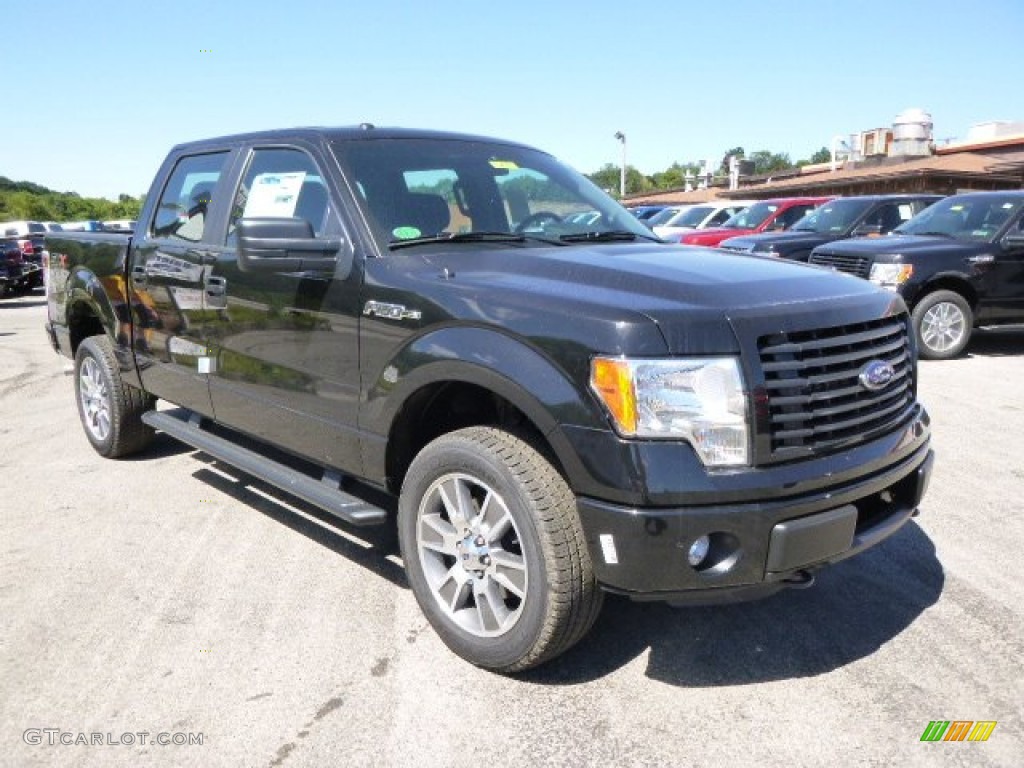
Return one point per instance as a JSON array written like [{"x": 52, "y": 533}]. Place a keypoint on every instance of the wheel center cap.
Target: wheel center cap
[{"x": 474, "y": 555}]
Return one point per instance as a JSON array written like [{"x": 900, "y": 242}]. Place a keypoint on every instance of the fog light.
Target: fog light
[{"x": 698, "y": 551}]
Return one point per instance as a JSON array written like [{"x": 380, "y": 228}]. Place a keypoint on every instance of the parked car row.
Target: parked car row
[
  {"x": 957, "y": 262},
  {"x": 23, "y": 249},
  {"x": 834, "y": 220},
  {"x": 21, "y": 264}
]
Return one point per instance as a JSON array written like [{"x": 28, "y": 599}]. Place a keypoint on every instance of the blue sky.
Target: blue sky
[{"x": 95, "y": 93}]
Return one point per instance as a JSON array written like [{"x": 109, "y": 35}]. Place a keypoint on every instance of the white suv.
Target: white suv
[{"x": 699, "y": 216}]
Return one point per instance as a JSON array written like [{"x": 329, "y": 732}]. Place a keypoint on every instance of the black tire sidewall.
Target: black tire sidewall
[
  {"x": 456, "y": 454},
  {"x": 91, "y": 348},
  {"x": 921, "y": 309}
]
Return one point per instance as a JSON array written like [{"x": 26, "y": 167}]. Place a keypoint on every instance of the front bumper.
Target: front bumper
[{"x": 756, "y": 547}]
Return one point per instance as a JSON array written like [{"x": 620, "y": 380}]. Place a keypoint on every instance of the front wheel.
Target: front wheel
[
  {"x": 110, "y": 410},
  {"x": 494, "y": 550},
  {"x": 943, "y": 322}
]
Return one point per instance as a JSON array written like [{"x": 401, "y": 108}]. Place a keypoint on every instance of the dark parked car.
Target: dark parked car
[
  {"x": 29, "y": 238},
  {"x": 12, "y": 268},
  {"x": 957, "y": 265},
  {"x": 644, "y": 212},
  {"x": 868, "y": 215}
]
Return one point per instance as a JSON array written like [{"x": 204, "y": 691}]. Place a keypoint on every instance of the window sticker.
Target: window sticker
[
  {"x": 274, "y": 194},
  {"x": 405, "y": 233},
  {"x": 508, "y": 165}
]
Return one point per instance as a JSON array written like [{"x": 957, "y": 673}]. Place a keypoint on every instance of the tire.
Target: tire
[
  {"x": 509, "y": 587},
  {"x": 110, "y": 410},
  {"x": 943, "y": 322}
]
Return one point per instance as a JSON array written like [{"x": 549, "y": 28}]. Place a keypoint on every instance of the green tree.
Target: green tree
[
  {"x": 822, "y": 155},
  {"x": 770, "y": 162},
  {"x": 607, "y": 178}
]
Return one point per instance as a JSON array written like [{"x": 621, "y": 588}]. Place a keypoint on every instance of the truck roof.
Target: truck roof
[{"x": 361, "y": 132}]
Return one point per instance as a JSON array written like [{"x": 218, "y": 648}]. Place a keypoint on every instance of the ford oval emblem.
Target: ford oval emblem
[{"x": 876, "y": 375}]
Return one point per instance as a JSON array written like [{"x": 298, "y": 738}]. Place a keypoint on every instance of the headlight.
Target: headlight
[
  {"x": 890, "y": 276},
  {"x": 699, "y": 400}
]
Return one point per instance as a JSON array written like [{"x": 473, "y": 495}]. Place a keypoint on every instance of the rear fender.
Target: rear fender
[{"x": 90, "y": 299}]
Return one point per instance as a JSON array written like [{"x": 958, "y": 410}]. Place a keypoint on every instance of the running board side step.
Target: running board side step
[{"x": 324, "y": 494}]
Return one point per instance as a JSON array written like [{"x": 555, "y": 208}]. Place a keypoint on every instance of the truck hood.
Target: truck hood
[
  {"x": 782, "y": 242},
  {"x": 900, "y": 246},
  {"x": 635, "y": 299}
]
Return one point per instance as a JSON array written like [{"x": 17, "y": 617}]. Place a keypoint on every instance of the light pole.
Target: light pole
[{"x": 622, "y": 172}]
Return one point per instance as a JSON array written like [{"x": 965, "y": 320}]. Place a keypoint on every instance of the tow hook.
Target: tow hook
[{"x": 800, "y": 580}]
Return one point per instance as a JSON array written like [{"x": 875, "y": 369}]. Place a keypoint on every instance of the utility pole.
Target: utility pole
[{"x": 622, "y": 172}]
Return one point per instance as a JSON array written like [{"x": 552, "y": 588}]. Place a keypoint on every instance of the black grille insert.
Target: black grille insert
[
  {"x": 816, "y": 400},
  {"x": 854, "y": 265}
]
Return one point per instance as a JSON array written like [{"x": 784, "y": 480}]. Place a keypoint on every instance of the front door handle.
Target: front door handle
[{"x": 139, "y": 276}]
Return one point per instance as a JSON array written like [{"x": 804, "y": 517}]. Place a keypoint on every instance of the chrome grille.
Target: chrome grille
[
  {"x": 815, "y": 399},
  {"x": 854, "y": 265}
]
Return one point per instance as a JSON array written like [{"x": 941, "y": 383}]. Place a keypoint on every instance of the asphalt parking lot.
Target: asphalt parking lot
[{"x": 170, "y": 595}]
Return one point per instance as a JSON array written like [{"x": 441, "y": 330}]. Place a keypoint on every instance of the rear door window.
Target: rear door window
[{"x": 183, "y": 210}]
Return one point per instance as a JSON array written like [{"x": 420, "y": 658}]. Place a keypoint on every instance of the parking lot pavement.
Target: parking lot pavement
[{"x": 169, "y": 594}]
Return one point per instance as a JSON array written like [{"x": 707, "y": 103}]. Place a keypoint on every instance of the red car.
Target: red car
[{"x": 764, "y": 216}]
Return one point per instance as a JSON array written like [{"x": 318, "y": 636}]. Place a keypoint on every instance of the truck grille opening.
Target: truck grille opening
[
  {"x": 853, "y": 265},
  {"x": 816, "y": 401}
]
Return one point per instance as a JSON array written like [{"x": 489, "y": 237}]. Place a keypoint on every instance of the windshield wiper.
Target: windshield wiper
[
  {"x": 614, "y": 235},
  {"x": 934, "y": 234},
  {"x": 460, "y": 237}
]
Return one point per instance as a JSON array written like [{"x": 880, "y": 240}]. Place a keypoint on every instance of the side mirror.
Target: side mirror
[{"x": 284, "y": 245}]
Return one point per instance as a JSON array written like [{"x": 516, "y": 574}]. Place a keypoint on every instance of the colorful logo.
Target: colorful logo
[
  {"x": 958, "y": 730},
  {"x": 876, "y": 375}
]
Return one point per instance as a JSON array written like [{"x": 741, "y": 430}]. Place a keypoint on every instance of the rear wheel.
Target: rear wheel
[
  {"x": 943, "y": 322},
  {"x": 110, "y": 410},
  {"x": 494, "y": 550}
]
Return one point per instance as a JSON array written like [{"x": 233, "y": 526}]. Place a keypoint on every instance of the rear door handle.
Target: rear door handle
[{"x": 216, "y": 286}]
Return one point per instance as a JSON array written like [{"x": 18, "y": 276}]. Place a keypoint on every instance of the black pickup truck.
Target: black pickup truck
[
  {"x": 839, "y": 219},
  {"x": 413, "y": 328},
  {"x": 957, "y": 265}
]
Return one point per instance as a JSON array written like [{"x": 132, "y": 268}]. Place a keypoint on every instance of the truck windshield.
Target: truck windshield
[
  {"x": 752, "y": 217},
  {"x": 964, "y": 217},
  {"x": 661, "y": 217},
  {"x": 424, "y": 190},
  {"x": 835, "y": 217},
  {"x": 692, "y": 217}
]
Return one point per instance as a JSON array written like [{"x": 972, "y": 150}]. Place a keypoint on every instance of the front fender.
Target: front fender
[
  {"x": 521, "y": 374},
  {"x": 947, "y": 280}
]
